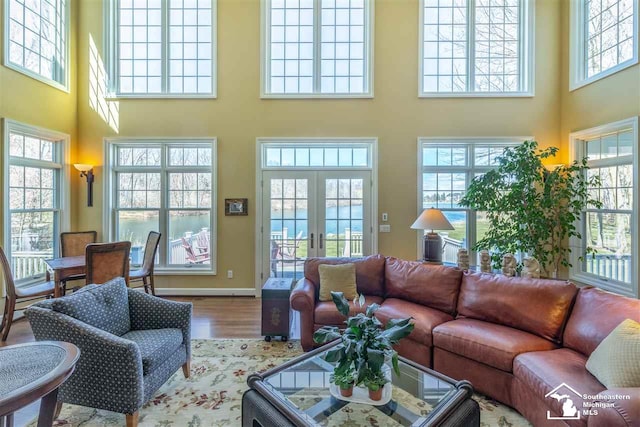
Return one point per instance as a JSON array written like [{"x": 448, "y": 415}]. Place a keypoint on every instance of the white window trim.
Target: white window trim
[
  {"x": 110, "y": 34},
  {"x": 108, "y": 220},
  {"x": 7, "y": 63},
  {"x": 263, "y": 142},
  {"x": 466, "y": 141},
  {"x": 576, "y": 153},
  {"x": 577, "y": 70},
  {"x": 65, "y": 176},
  {"x": 265, "y": 58},
  {"x": 527, "y": 46}
]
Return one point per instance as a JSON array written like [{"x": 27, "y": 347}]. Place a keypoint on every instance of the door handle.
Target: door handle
[
  {"x": 320, "y": 240},
  {"x": 311, "y": 236}
]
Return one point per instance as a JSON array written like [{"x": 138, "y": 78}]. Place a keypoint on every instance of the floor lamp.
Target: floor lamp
[{"x": 432, "y": 219}]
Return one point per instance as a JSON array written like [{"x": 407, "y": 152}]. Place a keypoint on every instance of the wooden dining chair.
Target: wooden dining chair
[
  {"x": 73, "y": 243},
  {"x": 18, "y": 294},
  {"x": 106, "y": 261},
  {"x": 145, "y": 274}
]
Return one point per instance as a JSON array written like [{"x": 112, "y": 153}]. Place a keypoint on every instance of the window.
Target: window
[
  {"x": 36, "y": 34},
  {"x": 163, "y": 48},
  {"x": 476, "y": 48},
  {"x": 604, "y": 38},
  {"x": 610, "y": 230},
  {"x": 35, "y": 195},
  {"x": 447, "y": 167},
  {"x": 317, "y": 48},
  {"x": 165, "y": 186}
]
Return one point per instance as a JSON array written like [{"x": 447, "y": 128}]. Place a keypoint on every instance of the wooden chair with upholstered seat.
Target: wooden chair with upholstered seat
[
  {"x": 145, "y": 274},
  {"x": 73, "y": 243},
  {"x": 18, "y": 294},
  {"x": 106, "y": 261}
]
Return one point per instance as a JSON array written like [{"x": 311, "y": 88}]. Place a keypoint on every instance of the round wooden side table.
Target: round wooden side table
[{"x": 33, "y": 371}]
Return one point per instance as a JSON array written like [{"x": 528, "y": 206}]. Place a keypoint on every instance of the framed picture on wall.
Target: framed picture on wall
[{"x": 234, "y": 207}]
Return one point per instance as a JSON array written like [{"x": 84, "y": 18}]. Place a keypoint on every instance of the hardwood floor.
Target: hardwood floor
[{"x": 213, "y": 317}]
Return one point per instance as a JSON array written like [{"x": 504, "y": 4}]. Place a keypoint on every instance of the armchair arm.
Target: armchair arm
[
  {"x": 108, "y": 374},
  {"x": 303, "y": 299},
  {"x": 624, "y": 412},
  {"x": 149, "y": 312}
]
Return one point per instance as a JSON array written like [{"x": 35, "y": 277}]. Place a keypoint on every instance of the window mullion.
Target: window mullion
[
  {"x": 163, "y": 213},
  {"x": 317, "y": 45},
  {"x": 471, "y": 45},
  {"x": 165, "y": 46}
]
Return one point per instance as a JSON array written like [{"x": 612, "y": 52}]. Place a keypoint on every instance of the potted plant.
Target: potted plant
[
  {"x": 345, "y": 380},
  {"x": 375, "y": 381},
  {"x": 364, "y": 345},
  {"x": 530, "y": 208}
]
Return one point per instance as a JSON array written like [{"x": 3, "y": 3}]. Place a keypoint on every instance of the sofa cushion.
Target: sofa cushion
[
  {"x": 488, "y": 343},
  {"x": 587, "y": 326},
  {"x": 539, "y": 306},
  {"x": 424, "y": 318},
  {"x": 544, "y": 371},
  {"x": 156, "y": 345},
  {"x": 369, "y": 272},
  {"x": 337, "y": 278},
  {"x": 326, "y": 312},
  {"x": 434, "y": 286},
  {"x": 103, "y": 306},
  {"x": 616, "y": 361}
]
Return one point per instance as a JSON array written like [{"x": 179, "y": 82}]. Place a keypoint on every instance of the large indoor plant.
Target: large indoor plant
[
  {"x": 365, "y": 345},
  {"x": 530, "y": 208}
]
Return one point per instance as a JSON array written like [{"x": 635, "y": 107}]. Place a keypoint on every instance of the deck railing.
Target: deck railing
[
  {"x": 609, "y": 266},
  {"x": 352, "y": 243},
  {"x": 26, "y": 264}
]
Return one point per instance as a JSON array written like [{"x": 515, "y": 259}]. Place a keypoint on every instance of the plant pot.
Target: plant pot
[
  {"x": 346, "y": 392},
  {"x": 375, "y": 394}
]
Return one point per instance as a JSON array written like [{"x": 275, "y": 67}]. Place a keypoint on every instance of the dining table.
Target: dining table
[{"x": 64, "y": 268}]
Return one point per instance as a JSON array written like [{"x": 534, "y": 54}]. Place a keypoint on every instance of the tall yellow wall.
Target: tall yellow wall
[{"x": 396, "y": 116}]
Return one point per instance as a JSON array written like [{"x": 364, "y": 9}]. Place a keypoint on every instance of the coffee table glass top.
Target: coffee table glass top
[{"x": 304, "y": 388}]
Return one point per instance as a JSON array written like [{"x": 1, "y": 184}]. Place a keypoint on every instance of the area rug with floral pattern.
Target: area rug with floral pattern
[{"x": 212, "y": 397}]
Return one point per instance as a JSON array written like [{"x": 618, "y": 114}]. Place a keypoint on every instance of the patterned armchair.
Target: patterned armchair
[{"x": 130, "y": 344}]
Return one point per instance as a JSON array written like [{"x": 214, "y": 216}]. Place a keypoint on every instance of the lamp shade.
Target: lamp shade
[
  {"x": 432, "y": 219},
  {"x": 83, "y": 167}
]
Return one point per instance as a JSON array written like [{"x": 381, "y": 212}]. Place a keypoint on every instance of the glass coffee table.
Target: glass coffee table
[{"x": 297, "y": 394}]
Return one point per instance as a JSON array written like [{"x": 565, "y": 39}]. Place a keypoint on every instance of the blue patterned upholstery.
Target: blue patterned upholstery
[
  {"x": 156, "y": 345},
  {"x": 106, "y": 306},
  {"x": 110, "y": 373}
]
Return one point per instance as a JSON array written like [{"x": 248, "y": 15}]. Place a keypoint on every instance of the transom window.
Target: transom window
[
  {"x": 35, "y": 187},
  {"x": 476, "y": 47},
  {"x": 167, "y": 187},
  {"x": 163, "y": 47},
  {"x": 314, "y": 155},
  {"x": 604, "y": 38},
  {"x": 447, "y": 168},
  {"x": 37, "y": 34},
  {"x": 317, "y": 47},
  {"x": 609, "y": 230}
]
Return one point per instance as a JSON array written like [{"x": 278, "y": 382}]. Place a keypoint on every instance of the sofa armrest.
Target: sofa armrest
[
  {"x": 303, "y": 299},
  {"x": 150, "y": 312},
  {"x": 107, "y": 362},
  {"x": 623, "y": 412}
]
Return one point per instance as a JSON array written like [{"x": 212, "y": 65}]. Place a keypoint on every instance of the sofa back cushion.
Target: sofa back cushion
[
  {"x": 434, "y": 286},
  {"x": 369, "y": 272},
  {"x": 103, "y": 306},
  {"x": 595, "y": 314},
  {"x": 539, "y": 306}
]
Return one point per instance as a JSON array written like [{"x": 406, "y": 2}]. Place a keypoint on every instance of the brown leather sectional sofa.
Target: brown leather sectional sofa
[{"x": 514, "y": 339}]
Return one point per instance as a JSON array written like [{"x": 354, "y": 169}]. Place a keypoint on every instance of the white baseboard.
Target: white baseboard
[{"x": 207, "y": 292}]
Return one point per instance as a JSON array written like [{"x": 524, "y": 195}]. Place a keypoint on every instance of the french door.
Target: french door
[{"x": 313, "y": 214}]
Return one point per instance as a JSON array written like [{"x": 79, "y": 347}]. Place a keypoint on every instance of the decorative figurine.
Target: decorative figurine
[
  {"x": 485, "y": 262},
  {"x": 509, "y": 265},
  {"x": 463, "y": 259},
  {"x": 531, "y": 268}
]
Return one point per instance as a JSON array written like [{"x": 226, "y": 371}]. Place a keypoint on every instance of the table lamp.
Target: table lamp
[{"x": 432, "y": 219}]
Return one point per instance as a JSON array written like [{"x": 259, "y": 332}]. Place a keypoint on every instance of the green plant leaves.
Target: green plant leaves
[
  {"x": 326, "y": 334},
  {"x": 341, "y": 302}
]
